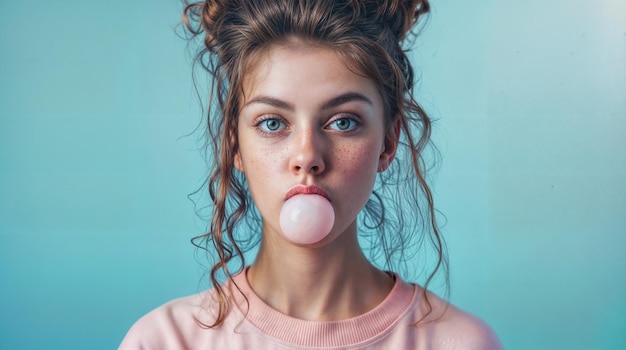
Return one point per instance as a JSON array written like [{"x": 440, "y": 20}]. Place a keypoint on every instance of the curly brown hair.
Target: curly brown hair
[{"x": 369, "y": 34}]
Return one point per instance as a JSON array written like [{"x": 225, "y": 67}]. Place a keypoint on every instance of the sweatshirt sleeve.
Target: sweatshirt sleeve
[{"x": 171, "y": 326}]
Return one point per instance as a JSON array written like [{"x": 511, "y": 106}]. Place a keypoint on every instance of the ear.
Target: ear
[
  {"x": 390, "y": 145},
  {"x": 238, "y": 162}
]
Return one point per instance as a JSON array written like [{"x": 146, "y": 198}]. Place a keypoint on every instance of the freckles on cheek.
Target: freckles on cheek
[
  {"x": 262, "y": 165},
  {"x": 358, "y": 162}
]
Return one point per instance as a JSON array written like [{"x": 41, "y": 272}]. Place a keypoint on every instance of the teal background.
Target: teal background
[{"x": 96, "y": 98}]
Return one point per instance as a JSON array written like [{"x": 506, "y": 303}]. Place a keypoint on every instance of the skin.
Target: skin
[{"x": 307, "y": 119}]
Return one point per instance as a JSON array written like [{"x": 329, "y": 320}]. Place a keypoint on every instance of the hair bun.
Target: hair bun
[
  {"x": 399, "y": 15},
  {"x": 205, "y": 16}
]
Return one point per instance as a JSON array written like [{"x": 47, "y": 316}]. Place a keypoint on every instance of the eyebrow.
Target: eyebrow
[{"x": 333, "y": 102}]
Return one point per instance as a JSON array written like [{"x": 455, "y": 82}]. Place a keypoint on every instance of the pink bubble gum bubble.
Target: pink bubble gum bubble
[{"x": 306, "y": 218}]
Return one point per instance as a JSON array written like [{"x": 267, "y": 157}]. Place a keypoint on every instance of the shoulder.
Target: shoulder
[
  {"x": 462, "y": 330},
  {"x": 170, "y": 325},
  {"x": 449, "y": 327}
]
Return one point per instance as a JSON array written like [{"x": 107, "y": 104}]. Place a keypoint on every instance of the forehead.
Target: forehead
[{"x": 299, "y": 72}]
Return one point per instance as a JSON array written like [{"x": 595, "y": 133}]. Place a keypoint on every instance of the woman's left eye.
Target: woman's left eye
[{"x": 343, "y": 124}]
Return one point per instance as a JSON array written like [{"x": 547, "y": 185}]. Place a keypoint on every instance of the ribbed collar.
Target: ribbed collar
[{"x": 342, "y": 333}]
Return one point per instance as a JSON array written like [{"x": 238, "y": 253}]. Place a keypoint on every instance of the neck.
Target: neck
[{"x": 328, "y": 283}]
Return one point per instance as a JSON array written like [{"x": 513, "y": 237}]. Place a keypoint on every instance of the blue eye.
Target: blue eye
[
  {"x": 343, "y": 124},
  {"x": 271, "y": 125}
]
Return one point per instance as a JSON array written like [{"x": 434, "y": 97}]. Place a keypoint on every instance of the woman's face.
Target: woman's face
[{"x": 307, "y": 119}]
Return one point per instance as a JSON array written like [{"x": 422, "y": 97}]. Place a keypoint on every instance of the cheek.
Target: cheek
[
  {"x": 261, "y": 171},
  {"x": 257, "y": 158},
  {"x": 358, "y": 165}
]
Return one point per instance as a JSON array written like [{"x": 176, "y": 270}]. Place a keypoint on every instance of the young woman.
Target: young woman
[{"x": 316, "y": 130}]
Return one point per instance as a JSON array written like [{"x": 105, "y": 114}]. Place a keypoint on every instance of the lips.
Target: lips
[{"x": 301, "y": 189}]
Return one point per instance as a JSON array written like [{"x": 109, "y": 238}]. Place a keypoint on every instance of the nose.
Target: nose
[{"x": 307, "y": 156}]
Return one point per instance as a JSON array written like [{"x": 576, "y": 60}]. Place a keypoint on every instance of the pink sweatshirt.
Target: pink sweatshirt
[{"x": 173, "y": 326}]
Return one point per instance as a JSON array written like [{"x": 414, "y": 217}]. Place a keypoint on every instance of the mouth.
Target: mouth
[{"x": 301, "y": 189}]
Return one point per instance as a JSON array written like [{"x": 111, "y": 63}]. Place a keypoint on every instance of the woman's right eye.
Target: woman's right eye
[{"x": 270, "y": 125}]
